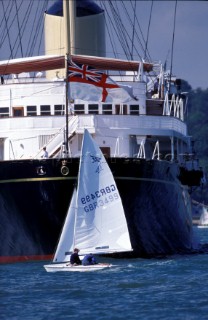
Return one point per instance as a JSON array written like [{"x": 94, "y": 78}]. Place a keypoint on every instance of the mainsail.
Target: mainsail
[{"x": 100, "y": 220}]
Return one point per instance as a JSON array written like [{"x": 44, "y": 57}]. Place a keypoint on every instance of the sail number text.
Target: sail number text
[{"x": 99, "y": 198}]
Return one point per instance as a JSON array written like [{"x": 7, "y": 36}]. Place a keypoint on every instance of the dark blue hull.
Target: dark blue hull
[{"x": 35, "y": 194}]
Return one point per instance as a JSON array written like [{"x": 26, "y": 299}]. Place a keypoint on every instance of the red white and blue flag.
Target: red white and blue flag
[{"x": 87, "y": 83}]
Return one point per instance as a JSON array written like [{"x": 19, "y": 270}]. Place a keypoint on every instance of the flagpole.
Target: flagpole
[
  {"x": 69, "y": 14},
  {"x": 67, "y": 106}
]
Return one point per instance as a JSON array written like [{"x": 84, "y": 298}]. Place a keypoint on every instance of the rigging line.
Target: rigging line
[
  {"x": 171, "y": 66},
  {"x": 148, "y": 31},
  {"x": 112, "y": 41},
  {"x": 140, "y": 29},
  {"x": 138, "y": 38},
  {"x": 24, "y": 22},
  {"x": 125, "y": 34},
  {"x": 31, "y": 43},
  {"x": 26, "y": 19},
  {"x": 134, "y": 28},
  {"x": 42, "y": 29},
  {"x": 122, "y": 31},
  {"x": 115, "y": 29},
  {"x": 148, "y": 58},
  {"x": 2, "y": 21},
  {"x": 3, "y": 32},
  {"x": 129, "y": 19},
  {"x": 166, "y": 60},
  {"x": 11, "y": 24},
  {"x": 110, "y": 35},
  {"x": 40, "y": 26},
  {"x": 15, "y": 1},
  {"x": 114, "y": 21},
  {"x": 7, "y": 30},
  {"x": 132, "y": 47}
]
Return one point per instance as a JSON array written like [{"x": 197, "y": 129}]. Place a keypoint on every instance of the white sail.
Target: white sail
[
  {"x": 66, "y": 241},
  {"x": 100, "y": 220}
]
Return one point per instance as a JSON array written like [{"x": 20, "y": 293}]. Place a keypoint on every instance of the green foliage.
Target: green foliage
[{"x": 197, "y": 120}]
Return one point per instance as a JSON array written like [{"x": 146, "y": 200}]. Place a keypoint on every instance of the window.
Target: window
[
  {"x": 4, "y": 112},
  {"x": 79, "y": 108},
  {"x": 107, "y": 108},
  {"x": 134, "y": 109},
  {"x": 117, "y": 109},
  {"x": 18, "y": 111},
  {"x": 105, "y": 151},
  {"x": 45, "y": 110},
  {"x": 31, "y": 111},
  {"x": 59, "y": 109},
  {"x": 93, "y": 108}
]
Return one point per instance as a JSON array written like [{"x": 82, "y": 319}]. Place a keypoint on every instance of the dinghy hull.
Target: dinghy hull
[{"x": 76, "y": 268}]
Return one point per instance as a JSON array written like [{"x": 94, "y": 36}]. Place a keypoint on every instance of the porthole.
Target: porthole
[{"x": 64, "y": 170}]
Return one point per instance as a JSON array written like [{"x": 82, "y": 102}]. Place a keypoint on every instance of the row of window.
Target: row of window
[
  {"x": 46, "y": 110},
  {"x": 106, "y": 109}
]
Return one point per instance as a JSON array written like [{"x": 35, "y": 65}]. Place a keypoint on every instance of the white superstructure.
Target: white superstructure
[{"x": 32, "y": 114}]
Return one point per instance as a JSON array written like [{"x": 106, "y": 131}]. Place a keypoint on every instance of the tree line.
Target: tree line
[{"x": 196, "y": 115}]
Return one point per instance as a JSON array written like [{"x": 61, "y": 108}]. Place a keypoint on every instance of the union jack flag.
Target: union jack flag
[{"x": 88, "y": 75}]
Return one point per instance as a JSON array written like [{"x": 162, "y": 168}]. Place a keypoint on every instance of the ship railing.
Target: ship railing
[
  {"x": 156, "y": 153},
  {"x": 55, "y": 144},
  {"x": 141, "y": 154},
  {"x": 173, "y": 107}
]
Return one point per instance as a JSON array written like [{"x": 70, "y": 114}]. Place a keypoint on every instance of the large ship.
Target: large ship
[{"x": 140, "y": 129}]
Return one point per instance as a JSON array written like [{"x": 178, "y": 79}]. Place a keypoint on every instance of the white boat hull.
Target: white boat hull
[{"x": 73, "y": 268}]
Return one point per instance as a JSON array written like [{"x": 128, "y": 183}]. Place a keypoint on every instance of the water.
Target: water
[{"x": 170, "y": 288}]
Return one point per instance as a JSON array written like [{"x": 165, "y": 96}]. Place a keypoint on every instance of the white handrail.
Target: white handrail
[{"x": 56, "y": 142}]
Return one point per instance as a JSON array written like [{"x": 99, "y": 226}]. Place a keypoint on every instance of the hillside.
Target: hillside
[{"x": 197, "y": 119}]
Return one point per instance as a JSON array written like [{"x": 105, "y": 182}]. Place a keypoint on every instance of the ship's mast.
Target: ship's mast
[
  {"x": 69, "y": 13},
  {"x": 171, "y": 66}
]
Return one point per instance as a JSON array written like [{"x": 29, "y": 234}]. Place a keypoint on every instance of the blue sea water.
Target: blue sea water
[{"x": 169, "y": 288}]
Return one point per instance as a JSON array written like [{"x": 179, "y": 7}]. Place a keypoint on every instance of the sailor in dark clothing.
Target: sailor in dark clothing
[
  {"x": 74, "y": 259},
  {"x": 89, "y": 259}
]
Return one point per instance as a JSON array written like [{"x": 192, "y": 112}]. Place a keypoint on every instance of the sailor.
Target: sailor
[
  {"x": 74, "y": 259},
  {"x": 45, "y": 153},
  {"x": 89, "y": 259}
]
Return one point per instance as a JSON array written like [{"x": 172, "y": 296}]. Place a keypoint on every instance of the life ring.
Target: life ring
[{"x": 64, "y": 170}]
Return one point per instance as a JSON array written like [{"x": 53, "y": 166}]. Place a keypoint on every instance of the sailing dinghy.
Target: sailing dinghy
[{"x": 95, "y": 222}]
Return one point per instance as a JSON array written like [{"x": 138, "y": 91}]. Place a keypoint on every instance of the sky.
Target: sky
[{"x": 190, "y": 51}]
